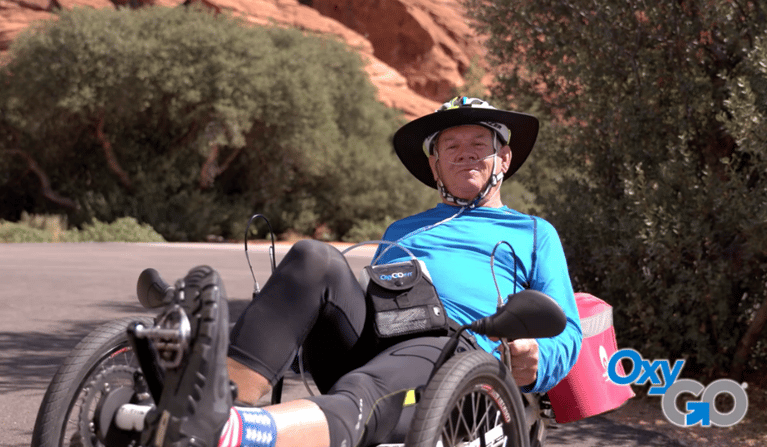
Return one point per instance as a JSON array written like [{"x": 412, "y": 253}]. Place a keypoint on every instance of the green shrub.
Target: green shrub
[
  {"x": 17, "y": 232},
  {"x": 52, "y": 228},
  {"x": 192, "y": 122},
  {"x": 367, "y": 230},
  {"x": 49, "y": 222},
  {"x": 125, "y": 229}
]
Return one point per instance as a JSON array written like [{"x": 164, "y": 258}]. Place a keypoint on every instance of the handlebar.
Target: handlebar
[{"x": 526, "y": 314}]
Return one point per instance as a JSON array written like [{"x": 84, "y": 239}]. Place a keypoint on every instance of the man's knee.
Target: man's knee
[
  {"x": 343, "y": 413},
  {"x": 357, "y": 407},
  {"x": 309, "y": 259},
  {"x": 310, "y": 249}
]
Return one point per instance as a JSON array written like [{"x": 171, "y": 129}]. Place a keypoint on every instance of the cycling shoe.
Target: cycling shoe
[{"x": 196, "y": 396}]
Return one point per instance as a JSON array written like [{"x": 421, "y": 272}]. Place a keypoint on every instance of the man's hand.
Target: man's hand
[{"x": 524, "y": 361}]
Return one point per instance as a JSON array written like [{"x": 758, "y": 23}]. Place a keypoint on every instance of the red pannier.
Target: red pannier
[{"x": 587, "y": 391}]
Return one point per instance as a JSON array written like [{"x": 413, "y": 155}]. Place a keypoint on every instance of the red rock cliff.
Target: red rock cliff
[{"x": 416, "y": 51}]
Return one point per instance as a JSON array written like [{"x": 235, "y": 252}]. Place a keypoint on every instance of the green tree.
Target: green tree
[
  {"x": 191, "y": 122},
  {"x": 651, "y": 161}
]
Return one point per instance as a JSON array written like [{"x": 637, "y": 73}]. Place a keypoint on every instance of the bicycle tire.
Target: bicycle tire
[
  {"x": 105, "y": 347},
  {"x": 479, "y": 381}
]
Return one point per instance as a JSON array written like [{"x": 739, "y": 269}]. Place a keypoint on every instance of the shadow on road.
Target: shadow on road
[
  {"x": 28, "y": 360},
  {"x": 604, "y": 432}
]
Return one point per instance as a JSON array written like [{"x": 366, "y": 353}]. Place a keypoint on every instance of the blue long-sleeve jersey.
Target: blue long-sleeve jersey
[{"x": 456, "y": 246}]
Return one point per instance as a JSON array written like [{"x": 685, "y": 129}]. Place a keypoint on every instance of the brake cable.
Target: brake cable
[{"x": 256, "y": 288}]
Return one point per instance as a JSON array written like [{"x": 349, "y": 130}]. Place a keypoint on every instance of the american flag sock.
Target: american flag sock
[{"x": 248, "y": 427}]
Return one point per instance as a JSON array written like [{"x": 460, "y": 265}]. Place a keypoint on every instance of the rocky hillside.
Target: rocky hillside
[{"x": 417, "y": 51}]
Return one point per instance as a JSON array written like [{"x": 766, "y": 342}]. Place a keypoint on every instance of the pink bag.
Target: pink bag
[{"x": 586, "y": 391}]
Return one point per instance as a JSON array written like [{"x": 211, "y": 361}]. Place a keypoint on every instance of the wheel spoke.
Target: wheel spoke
[
  {"x": 467, "y": 426},
  {"x": 448, "y": 430},
  {"x": 484, "y": 420}
]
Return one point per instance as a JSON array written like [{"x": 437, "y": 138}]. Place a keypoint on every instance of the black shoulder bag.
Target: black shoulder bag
[{"x": 403, "y": 299}]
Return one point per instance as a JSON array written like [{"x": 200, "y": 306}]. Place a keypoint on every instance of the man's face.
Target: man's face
[{"x": 461, "y": 164}]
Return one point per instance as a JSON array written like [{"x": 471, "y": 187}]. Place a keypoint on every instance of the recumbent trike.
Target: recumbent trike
[{"x": 100, "y": 393}]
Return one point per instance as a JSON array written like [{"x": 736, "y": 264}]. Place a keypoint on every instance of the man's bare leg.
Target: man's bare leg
[
  {"x": 251, "y": 386},
  {"x": 300, "y": 423}
]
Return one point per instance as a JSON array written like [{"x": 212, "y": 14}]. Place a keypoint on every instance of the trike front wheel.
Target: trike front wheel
[
  {"x": 471, "y": 396},
  {"x": 102, "y": 361}
]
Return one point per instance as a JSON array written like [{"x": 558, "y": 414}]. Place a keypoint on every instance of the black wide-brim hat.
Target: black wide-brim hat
[{"x": 409, "y": 139}]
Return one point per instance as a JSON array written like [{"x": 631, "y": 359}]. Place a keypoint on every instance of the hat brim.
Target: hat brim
[{"x": 408, "y": 140}]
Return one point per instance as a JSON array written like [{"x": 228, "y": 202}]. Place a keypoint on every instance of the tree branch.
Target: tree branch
[
  {"x": 746, "y": 343},
  {"x": 112, "y": 162},
  {"x": 45, "y": 183},
  {"x": 211, "y": 169}
]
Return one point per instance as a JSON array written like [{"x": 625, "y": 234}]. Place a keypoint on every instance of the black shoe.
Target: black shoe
[{"x": 196, "y": 396}]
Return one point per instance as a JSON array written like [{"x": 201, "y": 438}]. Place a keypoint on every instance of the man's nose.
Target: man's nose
[{"x": 467, "y": 155}]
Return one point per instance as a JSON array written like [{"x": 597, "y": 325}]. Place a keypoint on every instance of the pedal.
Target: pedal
[{"x": 170, "y": 336}]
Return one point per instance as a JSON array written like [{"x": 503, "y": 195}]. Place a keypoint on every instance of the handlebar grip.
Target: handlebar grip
[
  {"x": 152, "y": 291},
  {"x": 526, "y": 314}
]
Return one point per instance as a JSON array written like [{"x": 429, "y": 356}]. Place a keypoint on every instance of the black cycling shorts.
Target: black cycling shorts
[{"x": 313, "y": 300}]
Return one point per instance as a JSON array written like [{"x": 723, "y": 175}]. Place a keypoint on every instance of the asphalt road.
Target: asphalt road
[{"x": 54, "y": 294}]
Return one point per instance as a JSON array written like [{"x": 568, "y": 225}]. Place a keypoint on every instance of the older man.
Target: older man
[{"x": 313, "y": 299}]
